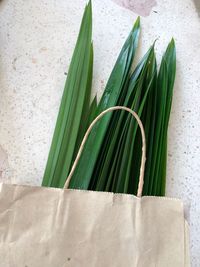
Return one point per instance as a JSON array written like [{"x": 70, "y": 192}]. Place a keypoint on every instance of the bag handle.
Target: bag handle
[{"x": 142, "y": 167}]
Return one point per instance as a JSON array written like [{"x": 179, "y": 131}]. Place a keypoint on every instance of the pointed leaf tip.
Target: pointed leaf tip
[
  {"x": 172, "y": 40},
  {"x": 137, "y": 23},
  {"x": 153, "y": 45},
  {"x": 89, "y": 4}
]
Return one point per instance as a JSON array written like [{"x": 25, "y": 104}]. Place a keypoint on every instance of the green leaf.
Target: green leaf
[
  {"x": 88, "y": 112},
  {"x": 170, "y": 59},
  {"x": 72, "y": 106},
  {"x": 166, "y": 78},
  {"x": 149, "y": 121}
]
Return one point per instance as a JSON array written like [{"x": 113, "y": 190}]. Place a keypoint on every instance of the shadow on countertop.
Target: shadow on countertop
[{"x": 197, "y": 5}]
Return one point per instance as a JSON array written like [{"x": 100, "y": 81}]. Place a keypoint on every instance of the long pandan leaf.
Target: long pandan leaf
[
  {"x": 76, "y": 94},
  {"x": 165, "y": 85},
  {"x": 170, "y": 59},
  {"x": 112, "y": 92},
  {"x": 149, "y": 124},
  {"x": 88, "y": 112},
  {"x": 161, "y": 105}
]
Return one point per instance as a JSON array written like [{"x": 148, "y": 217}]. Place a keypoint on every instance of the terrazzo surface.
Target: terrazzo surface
[{"x": 37, "y": 39}]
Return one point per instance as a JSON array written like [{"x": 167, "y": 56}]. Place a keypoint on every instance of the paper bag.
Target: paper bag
[{"x": 49, "y": 227}]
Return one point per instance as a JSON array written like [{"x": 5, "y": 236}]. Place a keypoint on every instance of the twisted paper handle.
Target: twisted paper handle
[{"x": 142, "y": 167}]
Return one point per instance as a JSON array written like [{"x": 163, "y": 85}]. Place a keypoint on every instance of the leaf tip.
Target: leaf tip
[
  {"x": 89, "y": 4},
  {"x": 138, "y": 20},
  {"x": 173, "y": 40},
  {"x": 137, "y": 23},
  {"x": 172, "y": 43},
  {"x": 171, "y": 48}
]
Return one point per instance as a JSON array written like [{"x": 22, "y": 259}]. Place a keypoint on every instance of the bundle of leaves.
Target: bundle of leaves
[{"x": 111, "y": 157}]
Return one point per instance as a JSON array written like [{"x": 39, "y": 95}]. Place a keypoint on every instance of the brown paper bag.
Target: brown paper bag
[{"x": 49, "y": 227}]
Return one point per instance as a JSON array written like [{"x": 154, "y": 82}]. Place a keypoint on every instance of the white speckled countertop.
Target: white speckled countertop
[{"x": 36, "y": 42}]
